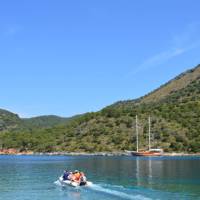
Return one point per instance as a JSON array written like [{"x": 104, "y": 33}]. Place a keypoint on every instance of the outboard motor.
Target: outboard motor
[{"x": 83, "y": 180}]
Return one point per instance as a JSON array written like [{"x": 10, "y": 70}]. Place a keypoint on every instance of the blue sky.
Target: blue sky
[{"x": 69, "y": 57}]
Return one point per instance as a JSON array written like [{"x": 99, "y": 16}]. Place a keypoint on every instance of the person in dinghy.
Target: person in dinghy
[
  {"x": 67, "y": 175},
  {"x": 75, "y": 178},
  {"x": 79, "y": 177}
]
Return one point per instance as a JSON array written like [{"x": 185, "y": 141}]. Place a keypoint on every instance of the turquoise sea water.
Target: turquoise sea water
[{"x": 34, "y": 178}]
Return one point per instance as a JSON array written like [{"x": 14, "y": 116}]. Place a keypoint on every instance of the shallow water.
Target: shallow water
[{"x": 34, "y": 177}]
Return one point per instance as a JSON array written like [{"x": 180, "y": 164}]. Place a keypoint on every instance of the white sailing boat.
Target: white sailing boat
[{"x": 150, "y": 151}]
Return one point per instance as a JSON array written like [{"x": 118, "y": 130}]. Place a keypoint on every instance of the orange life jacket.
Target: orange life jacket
[{"x": 77, "y": 176}]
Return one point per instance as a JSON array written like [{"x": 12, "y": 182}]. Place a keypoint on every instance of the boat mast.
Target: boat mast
[
  {"x": 149, "y": 133},
  {"x": 136, "y": 127}
]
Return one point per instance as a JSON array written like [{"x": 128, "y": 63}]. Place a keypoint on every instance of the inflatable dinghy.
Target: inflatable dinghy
[{"x": 73, "y": 183}]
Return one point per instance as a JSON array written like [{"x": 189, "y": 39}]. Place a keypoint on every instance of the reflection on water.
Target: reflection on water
[
  {"x": 33, "y": 177},
  {"x": 144, "y": 169}
]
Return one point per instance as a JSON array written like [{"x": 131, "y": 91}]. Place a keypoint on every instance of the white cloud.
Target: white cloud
[{"x": 183, "y": 43}]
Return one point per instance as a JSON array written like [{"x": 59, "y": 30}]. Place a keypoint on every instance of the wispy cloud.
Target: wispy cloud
[{"x": 181, "y": 44}]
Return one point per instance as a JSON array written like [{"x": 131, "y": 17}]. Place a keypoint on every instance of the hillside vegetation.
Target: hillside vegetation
[
  {"x": 176, "y": 84},
  {"x": 8, "y": 120},
  {"x": 174, "y": 109},
  {"x": 45, "y": 121}
]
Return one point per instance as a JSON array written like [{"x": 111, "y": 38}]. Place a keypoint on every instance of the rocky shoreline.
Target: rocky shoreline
[{"x": 124, "y": 153}]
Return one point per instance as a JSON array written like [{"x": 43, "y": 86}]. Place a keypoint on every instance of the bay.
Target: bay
[{"x": 113, "y": 177}]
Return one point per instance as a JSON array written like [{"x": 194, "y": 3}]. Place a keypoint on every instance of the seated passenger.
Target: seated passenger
[
  {"x": 66, "y": 175},
  {"x": 76, "y": 176}
]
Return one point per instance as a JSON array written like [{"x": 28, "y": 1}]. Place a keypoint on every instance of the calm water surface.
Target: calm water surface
[{"x": 34, "y": 178}]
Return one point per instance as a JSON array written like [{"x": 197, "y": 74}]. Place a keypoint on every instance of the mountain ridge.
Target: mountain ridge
[
  {"x": 174, "y": 108},
  {"x": 10, "y": 120},
  {"x": 171, "y": 84}
]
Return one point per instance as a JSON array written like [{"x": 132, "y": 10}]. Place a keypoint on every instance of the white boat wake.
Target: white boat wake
[
  {"x": 114, "y": 192},
  {"x": 118, "y": 193},
  {"x": 58, "y": 183}
]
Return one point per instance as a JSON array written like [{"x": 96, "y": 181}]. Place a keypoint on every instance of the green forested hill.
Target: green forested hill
[
  {"x": 174, "y": 109},
  {"x": 8, "y": 120},
  {"x": 45, "y": 121},
  {"x": 11, "y": 121}
]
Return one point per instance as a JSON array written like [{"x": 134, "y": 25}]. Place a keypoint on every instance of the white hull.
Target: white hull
[{"x": 72, "y": 183}]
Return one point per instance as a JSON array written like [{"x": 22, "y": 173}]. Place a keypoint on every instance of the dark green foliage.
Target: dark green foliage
[
  {"x": 175, "y": 122},
  {"x": 8, "y": 120},
  {"x": 44, "y": 121}
]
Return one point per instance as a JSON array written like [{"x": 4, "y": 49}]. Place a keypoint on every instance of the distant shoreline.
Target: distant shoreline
[{"x": 15, "y": 152}]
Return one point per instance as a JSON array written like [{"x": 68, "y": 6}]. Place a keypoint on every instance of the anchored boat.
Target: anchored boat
[{"x": 150, "y": 151}]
